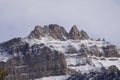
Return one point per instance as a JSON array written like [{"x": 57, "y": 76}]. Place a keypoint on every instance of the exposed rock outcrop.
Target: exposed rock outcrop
[
  {"x": 112, "y": 69},
  {"x": 11, "y": 43},
  {"x": 84, "y": 34},
  {"x": 31, "y": 62},
  {"x": 94, "y": 51},
  {"x": 75, "y": 33},
  {"x": 111, "y": 51},
  {"x": 111, "y": 74},
  {"x": 53, "y": 30},
  {"x": 84, "y": 51},
  {"x": 58, "y": 32},
  {"x": 108, "y": 51},
  {"x": 71, "y": 49},
  {"x": 36, "y": 33}
]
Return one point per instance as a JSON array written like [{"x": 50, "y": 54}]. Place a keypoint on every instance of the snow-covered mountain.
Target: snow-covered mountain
[{"x": 51, "y": 51}]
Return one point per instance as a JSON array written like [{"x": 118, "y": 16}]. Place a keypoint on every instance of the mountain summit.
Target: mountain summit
[
  {"x": 51, "y": 51},
  {"x": 58, "y": 32},
  {"x": 76, "y": 34}
]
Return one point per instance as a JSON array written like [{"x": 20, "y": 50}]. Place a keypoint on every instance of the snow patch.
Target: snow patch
[
  {"x": 63, "y": 77},
  {"x": 4, "y": 56}
]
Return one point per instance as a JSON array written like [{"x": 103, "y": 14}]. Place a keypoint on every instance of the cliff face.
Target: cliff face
[
  {"x": 51, "y": 51},
  {"x": 31, "y": 62},
  {"x": 105, "y": 51}
]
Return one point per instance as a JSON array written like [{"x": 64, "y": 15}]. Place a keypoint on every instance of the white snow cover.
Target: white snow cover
[
  {"x": 64, "y": 45},
  {"x": 110, "y": 61},
  {"x": 4, "y": 56},
  {"x": 98, "y": 63},
  {"x": 73, "y": 60},
  {"x": 63, "y": 77}
]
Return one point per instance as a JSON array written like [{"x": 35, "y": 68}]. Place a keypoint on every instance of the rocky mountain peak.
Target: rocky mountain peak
[
  {"x": 76, "y": 34},
  {"x": 57, "y": 32},
  {"x": 11, "y": 43},
  {"x": 53, "y": 30},
  {"x": 84, "y": 34},
  {"x": 36, "y": 33},
  {"x": 74, "y": 28},
  {"x": 54, "y": 26}
]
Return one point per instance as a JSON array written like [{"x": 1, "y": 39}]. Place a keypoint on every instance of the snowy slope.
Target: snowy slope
[
  {"x": 74, "y": 62},
  {"x": 4, "y": 56},
  {"x": 63, "y": 46}
]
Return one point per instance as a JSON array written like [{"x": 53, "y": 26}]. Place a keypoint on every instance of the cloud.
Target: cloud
[{"x": 100, "y": 18}]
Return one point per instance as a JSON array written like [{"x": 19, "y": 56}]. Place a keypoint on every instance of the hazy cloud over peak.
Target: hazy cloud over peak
[{"x": 100, "y": 18}]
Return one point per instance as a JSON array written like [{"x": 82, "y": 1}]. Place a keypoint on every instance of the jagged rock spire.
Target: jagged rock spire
[
  {"x": 58, "y": 32},
  {"x": 84, "y": 34},
  {"x": 75, "y": 33},
  {"x": 36, "y": 33},
  {"x": 52, "y": 30}
]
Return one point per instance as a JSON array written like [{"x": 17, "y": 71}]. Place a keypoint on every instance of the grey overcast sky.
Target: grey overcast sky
[{"x": 99, "y": 18}]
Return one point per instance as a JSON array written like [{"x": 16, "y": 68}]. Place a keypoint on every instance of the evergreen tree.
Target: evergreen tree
[{"x": 3, "y": 74}]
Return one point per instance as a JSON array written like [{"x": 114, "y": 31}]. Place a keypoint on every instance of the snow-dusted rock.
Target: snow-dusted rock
[{"x": 51, "y": 51}]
